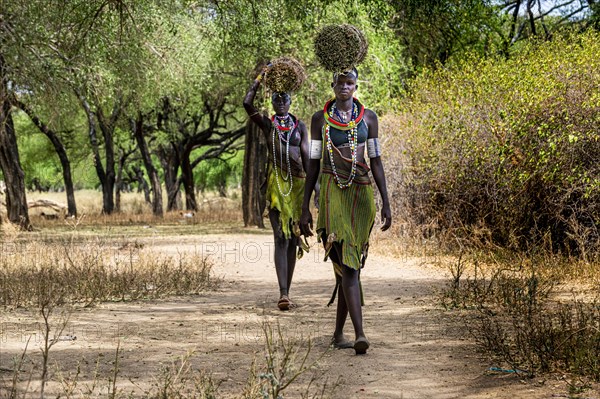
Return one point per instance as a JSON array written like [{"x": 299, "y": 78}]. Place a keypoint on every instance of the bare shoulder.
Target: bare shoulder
[
  {"x": 318, "y": 116},
  {"x": 316, "y": 124},
  {"x": 372, "y": 122},
  {"x": 370, "y": 115}
]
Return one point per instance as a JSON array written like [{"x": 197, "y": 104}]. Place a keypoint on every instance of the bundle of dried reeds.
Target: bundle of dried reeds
[
  {"x": 340, "y": 47},
  {"x": 285, "y": 75}
]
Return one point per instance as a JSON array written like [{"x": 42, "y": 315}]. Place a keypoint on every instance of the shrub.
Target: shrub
[
  {"x": 505, "y": 151},
  {"x": 520, "y": 313}
]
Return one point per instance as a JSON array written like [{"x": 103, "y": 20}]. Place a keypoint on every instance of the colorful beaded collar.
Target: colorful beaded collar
[
  {"x": 283, "y": 127},
  {"x": 341, "y": 125}
]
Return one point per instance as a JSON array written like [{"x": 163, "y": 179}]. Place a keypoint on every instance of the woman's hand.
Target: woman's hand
[
  {"x": 264, "y": 71},
  {"x": 386, "y": 217},
  {"x": 306, "y": 223}
]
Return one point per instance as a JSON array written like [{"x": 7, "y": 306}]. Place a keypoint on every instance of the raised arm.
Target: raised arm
[
  {"x": 313, "y": 168},
  {"x": 261, "y": 120},
  {"x": 374, "y": 152}
]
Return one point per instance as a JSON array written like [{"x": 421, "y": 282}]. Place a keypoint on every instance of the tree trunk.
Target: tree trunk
[
  {"x": 187, "y": 177},
  {"x": 157, "y": 205},
  {"x": 67, "y": 179},
  {"x": 62, "y": 156},
  {"x": 119, "y": 180},
  {"x": 254, "y": 176},
  {"x": 142, "y": 184},
  {"x": 107, "y": 126},
  {"x": 106, "y": 176},
  {"x": 14, "y": 177},
  {"x": 108, "y": 188},
  {"x": 222, "y": 189},
  {"x": 96, "y": 152},
  {"x": 169, "y": 160},
  {"x": 16, "y": 199}
]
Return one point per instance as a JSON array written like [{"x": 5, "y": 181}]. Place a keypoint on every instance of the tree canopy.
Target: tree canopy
[{"x": 146, "y": 91}]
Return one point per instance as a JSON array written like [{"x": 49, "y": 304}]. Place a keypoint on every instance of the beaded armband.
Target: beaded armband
[
  {"x": 316, "y": 147},
  {"x": 373, "y": 148}
]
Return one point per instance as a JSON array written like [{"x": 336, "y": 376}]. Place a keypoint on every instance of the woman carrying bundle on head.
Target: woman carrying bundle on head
[
  {"x": 339, "y": 134},
  {"x": 287, "y": 139}
]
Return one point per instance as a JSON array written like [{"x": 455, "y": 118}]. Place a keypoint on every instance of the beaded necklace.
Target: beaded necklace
[
  {"x": 351, "y": 128},
  {"x": 284, "y": 125},
  {"x": 342, "y": 115}
]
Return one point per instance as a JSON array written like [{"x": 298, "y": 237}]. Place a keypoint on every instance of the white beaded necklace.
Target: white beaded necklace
[
  {"x": 352, "y": 135},
  {"x": 281, "y": 135}
]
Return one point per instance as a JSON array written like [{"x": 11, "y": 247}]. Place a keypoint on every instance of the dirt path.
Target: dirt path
[{"x": 418, "y": 350}]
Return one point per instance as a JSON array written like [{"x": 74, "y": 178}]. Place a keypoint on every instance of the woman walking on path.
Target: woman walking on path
[
  {"x": 339, "y": 133},
  {"x": 287, "y": 139}
]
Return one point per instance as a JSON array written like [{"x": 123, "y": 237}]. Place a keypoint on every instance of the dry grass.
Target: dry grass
[
  {"x": 215, "y": 214},
  {"x": 67, "y": 272},
  {"x": 89, "y": 202},
  {"x": 285, "y": 360},
  {"x": 531, "y": 313},
  {"x": 94, "y": 258}
]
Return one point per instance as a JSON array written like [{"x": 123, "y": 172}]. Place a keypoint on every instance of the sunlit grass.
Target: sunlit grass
[{"x": 215, "y": 215}]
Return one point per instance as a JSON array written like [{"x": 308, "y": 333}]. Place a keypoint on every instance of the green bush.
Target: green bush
[{"x": 506, "y": 151}]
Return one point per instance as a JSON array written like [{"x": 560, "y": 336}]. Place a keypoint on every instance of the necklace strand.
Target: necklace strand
[
  {"x": 283, "y": 136},
  {"x": 352, "y": 135},
  {"x": 342, "y": 115}
]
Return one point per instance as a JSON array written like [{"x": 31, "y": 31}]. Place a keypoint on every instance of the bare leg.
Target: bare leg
[
  {"x": 281, "y": 253},
  {"x": 351, "y": 290},
  {"x": 341, "y": 315},
  {"x": 349, "y": 303},
  {"x": 292, "y": 248},
  {"x": 285, "y": 260}
]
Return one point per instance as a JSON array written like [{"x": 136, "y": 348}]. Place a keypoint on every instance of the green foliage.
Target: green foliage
[
  {"x": 435, "y": 31},
  {"x": 508, "y": 149},
  {"x": 193, "y": 52},
  {"x": 40, "y": 163},
  {"x": 254, "y": 32},
  {"x": 219, "y": 174},
  {"x": 38, "y": 159}
]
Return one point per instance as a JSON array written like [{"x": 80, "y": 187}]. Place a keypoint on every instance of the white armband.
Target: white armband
[
  {"x": 373, "y": 148},
  {"x": 316, "y": 147}
]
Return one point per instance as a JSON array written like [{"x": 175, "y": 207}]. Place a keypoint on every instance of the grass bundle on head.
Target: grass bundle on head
[
  {"x": 286, "y": 75},
  {"x": 340, "y": 47}
]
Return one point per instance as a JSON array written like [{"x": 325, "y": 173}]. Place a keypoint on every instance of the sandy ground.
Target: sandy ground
[{"x": 418, "y": 349}]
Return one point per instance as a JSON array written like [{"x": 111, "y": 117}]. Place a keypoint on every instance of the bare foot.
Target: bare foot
[
  {"x": 361, "y": 345},
  {"x": 340, "y": 342},
  {"x": 284, "y": 303}
]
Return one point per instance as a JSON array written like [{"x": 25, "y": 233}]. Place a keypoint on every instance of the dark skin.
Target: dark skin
[
  {"x": 349, "y": 299},
  {"x": 285, "y": 249}
]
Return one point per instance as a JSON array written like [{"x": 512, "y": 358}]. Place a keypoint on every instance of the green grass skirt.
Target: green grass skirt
[
  {"x": 289, "y": 207},
  {"x": 346, "y": 217}
]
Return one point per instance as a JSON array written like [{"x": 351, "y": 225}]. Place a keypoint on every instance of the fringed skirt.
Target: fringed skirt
[
  {"x": 289, "y": 207},
  {"x": 346, "y": 217}
]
